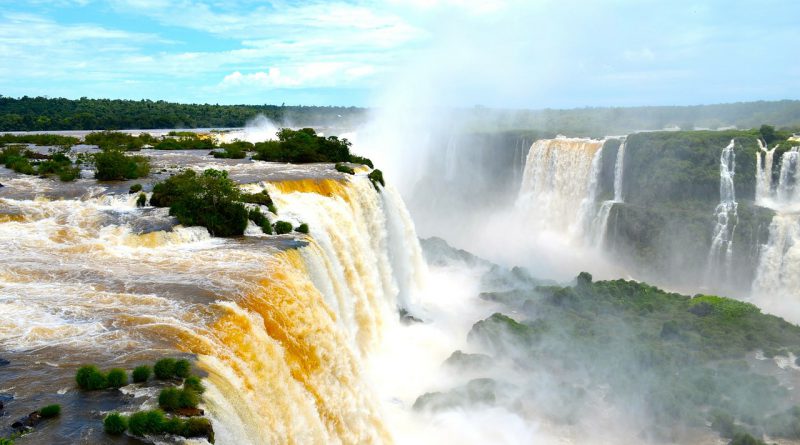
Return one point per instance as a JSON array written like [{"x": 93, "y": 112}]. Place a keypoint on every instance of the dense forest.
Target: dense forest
[{"x": 47, "y": 114}]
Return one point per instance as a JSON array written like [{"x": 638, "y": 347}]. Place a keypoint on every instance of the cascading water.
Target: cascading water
[
  {"x": 280, "y": 325},
  {"x": 600, "y": 223},
  {"x": 721, "y": 252},
  {"x": 764, "y": 172},
  {"x": 777, "y": 281},
  {"x": 559, "y": 184}
]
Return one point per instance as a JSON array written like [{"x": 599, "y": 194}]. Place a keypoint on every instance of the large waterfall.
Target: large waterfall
[
  {"x": 721, "y": 252},
  {"x": 559, "y": 184},
  {"x": 279, "y": 324},
  {"x": 777, "y": 281}
]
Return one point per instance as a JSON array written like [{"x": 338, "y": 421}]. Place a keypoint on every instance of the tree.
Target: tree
[{"x": 767, "y": 133}]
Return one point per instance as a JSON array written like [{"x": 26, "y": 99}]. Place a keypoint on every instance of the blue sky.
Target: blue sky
[{"x": 498, "y": 53}]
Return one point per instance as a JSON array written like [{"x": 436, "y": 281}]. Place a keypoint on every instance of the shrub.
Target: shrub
[
  {"x": 183, "y": 368},
  {"x": 235, "y": 150},
  {"x": 195, "y": 384},
  {"x": 147, "y": 422},
  {"x": 69, "y": 174},
  {"x": 283, "y": 227},
  {"x": 376, "y": 176},
  {"x": 207, "y": 200},
  {"x": 115, "y": 424},
  {"x": 141, "y": 201},
  {"x": 50, "y": 411},
  {"x": 261, "y": 198},
  {"x": 169, "y": 399},
  {"x": 260, "y": 220},
  {"x": 303, "y": 146},
  {"x": 164, "y": 369},
  {"x": 361, "y": 160},
  {"x": 135, "y": 188},
  {"x": 168, "y": 144},
  {"x": 189, "y": 398},
  {"x": 198, "y": 427},
  {"x": 117, "y": 378},
  {"x": 302, "y": 228},
  {"x": 90, "y": 378},
  {"x": 141, "y": 373},
  {"x": 115, "y": 165},
  {"x": 114, "y": 140},
  {"x": 345, "y": 169}
]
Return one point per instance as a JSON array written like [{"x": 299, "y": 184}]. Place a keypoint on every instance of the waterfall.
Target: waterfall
[
  {"x": 600, "y": 223},
  {"x": 777, "y": 280},
  {"x": 280, "y": 324},
  {"x": 721, "y": 252},
  {"x": 559, "y": 184},
  {"x": 764, "y": 173},
  {"x": 787, "y": 192}
]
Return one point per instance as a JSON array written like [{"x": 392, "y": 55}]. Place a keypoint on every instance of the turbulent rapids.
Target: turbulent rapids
[{"x": 280, "y": 324}]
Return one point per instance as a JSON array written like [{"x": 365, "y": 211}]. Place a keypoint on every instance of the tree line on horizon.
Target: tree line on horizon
[{"x": 54, "y": 114}]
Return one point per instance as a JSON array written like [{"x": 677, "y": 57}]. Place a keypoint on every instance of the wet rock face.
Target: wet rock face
[{"x": 3, "y": 362}]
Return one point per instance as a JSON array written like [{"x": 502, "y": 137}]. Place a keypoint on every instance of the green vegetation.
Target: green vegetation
[
  {"x": 147, "y": 423},
  {"x": 115, "y": 424},
  {"x": 135, "y": 188},
  {"x": 344, "y": 169},
  {"x": 260, "y": 220},
  {"x": 172, "y": 399},
  {"x": 302, "y": 228},
  {"x": 113, "y": 140},
  {"x": 194, "y": 383},
  {"x": 40, "y": 113},
  {"x": 117, "y": 378},
  {"x": 27, "y": 162},
  {"x": 154, "y": 422},
  {"x": 678, "y": 360},
  {"x": 186, "y": 141},
  {"x": 234, "y": 150},
  {"x": 361, "y": 160},
  {"x": 50, "y": 411},
  {"x": 115, "y": 165},
  {"x": 283, "y": 227},
  {"x": 141, "y": 200},
  {"x": 671, "y": 189},
  {"x": 141, "y": 374},
  {"x": 208, "y": 200},
  {"x": 304, "y": 146},
  {"x": 376, "y": 176},
  {"x": 164, "y": 369},
  {"x": 261, "y": 198},
  {"x": 183, "y": 368},
  {"x": 90, "y": 378},
  {"x": 53, "y": 140}
]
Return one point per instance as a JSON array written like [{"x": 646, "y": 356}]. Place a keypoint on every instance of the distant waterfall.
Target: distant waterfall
[
  {"x": 559, "y": 184},
  {"x": 600, "y": 223},
  {"x": 788, "y": 193},
  {"x": 777, "y": 278},
  {"x": 764, "y": 173},
  {"x": 721, "y": 253}
]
